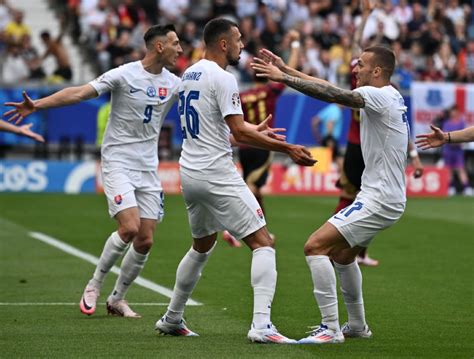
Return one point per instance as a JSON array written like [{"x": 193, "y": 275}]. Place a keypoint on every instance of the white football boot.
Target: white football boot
[
  {"x": 176, "y": 329},
  {"x": 121, "y": 309},
  {"x": 321, "y": 334},
  {"x": 268, "y": 335},
  {"x": 348, "y": 332}
]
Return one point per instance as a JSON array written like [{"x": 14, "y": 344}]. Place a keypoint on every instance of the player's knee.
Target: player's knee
[
  {"x": 315, "y": 246},
  {"x": 128, "y": 231},
  {"x": 143, "y": 244}
]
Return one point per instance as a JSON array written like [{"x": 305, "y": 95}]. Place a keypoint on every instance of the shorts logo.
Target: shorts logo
[
  {"x": 260, "y": 213},
  {"x": 151, "y": 91},
  {"x": 235, "y": 100},
  {"x": 118, "y": 199},
  {"x": 162, "y": 93}
]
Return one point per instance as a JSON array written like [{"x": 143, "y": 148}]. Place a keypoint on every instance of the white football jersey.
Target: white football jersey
[
  {"x": 139, "y": 103},
  {"x": 207, "y": 95},
  {"x": 384, "y": 134}
]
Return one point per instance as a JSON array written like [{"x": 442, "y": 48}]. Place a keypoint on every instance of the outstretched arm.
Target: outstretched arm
[
  {"x": 64, "y": 97},
  {"x": 310, "y": 86},
  {"x": 21, "y": 130},
  {"x": 248, "y": 135},
  {"x": 438, "y": 138},
  {"x": 366, "y": 9}
]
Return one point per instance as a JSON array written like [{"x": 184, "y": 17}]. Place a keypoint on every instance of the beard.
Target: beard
[{"x": 233, "y": 61}]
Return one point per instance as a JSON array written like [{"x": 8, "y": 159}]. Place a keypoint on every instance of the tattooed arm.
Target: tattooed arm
[
  {"x": 325, "y": 91},
  {"x": 308, "y": 85}
]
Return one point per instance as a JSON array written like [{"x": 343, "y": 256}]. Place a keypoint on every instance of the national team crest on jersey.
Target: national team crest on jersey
[
  {"x": 151, "y": 91},
  {"x": 118, "y": 199},
  {"x": 260, "y": 213},
  {"x": 162, "y": 93},
  {"x": 235, "y": 100}
]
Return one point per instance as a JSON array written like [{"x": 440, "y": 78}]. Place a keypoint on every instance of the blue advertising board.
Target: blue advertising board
[{"x": 47, "y": 176}]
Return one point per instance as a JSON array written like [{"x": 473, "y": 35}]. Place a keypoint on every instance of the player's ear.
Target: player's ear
[
  {"x": 377, "y": 71},
  {"x": 223, "y": 43},
  {"x": 159, "y": 46}
]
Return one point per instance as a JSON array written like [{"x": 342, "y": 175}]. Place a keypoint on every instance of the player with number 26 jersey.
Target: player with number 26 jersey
[{"x": 207, "y": 92}]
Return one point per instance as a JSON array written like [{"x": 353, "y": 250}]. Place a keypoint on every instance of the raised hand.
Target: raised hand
[
  {"x": 25, "y": 130},
  {"x": 271, "y": 132},
  {"x": 301, "y": 156},
  {"x": 270, "y": 58},
  {"x": 431, "y": 140},
  {"x": 21, "y": 110},
  {"x": 266, "y": 70}
]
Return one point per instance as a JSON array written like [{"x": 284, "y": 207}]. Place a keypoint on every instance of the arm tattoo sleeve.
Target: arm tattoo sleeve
[{"x": 325, "y": 91}]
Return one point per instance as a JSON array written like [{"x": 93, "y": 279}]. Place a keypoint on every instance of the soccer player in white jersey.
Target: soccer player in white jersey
[
  {"x": 379, "y": 204},
  {"x": 142, "y": 94},
  {"x": 216, "y": 196}
]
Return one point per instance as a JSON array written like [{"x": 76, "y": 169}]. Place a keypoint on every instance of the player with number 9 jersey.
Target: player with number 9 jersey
[{"x": 140, "y": 102}]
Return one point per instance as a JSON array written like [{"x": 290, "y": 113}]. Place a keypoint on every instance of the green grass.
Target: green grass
[{"x": 419, "y": 301}]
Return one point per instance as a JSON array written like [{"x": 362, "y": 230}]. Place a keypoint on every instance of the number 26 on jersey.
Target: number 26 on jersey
[{"x": 188, "y": 114}]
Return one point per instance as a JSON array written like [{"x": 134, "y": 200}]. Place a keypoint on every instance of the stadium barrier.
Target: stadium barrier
[{"x": 84, "y": 177}]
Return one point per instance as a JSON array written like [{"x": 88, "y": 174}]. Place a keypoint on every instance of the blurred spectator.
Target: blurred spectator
[
  {"x": 130, "y": 14},
  {"x": 55, "y": 48},
  {"x": 445, "y": 61},
  {"x": 402, "y": 12},
  {"x": 327, "y": 128},
  {"x": 16, "y": 29},
  {"x": 430, "y": 72},
  {"x": 174, "y": 11},
  {"x": 105, "y": 37},
  {"x": 326, "y": 37},
  {"x": 453, "y": 154},
  {"x": 465, "y": 68},
  {"x": 93, "y": 16},
  {"x": 5, "y": 16},
  {"x": 14, "y": 69},
  {"x": 32, "y": 59}
]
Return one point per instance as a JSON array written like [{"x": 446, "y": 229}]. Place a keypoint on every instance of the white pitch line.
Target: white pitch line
[
  {"x": 94, "y": 260},
  {"x": 74, "y": 304}
]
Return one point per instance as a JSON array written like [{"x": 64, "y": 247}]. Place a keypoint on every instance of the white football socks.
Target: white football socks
[
  {"x": 350, "y": 278},
  {"x": 263, "y": 278},
  {"x": 187, "y": 275},
  {"x": 132, "y": 264},
  {"x": 113, "y": 249},
  {"x": 325, "y": 291}
]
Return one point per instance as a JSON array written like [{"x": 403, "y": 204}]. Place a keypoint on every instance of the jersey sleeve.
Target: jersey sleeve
[
  {"x": 107, "y": 82},
  {"x": 227, "y": 94},
  {"x": 375, "y": 99}
]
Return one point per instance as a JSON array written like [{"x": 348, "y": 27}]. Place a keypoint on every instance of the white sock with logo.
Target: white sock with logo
[
  {"x": 325, "y": 291},
  {"x": 350, "y": 278},
  {"x": 132, "y": 264},
  {"x": 187, "y": 276},
  {"x": 113, "y": 249},
  {"x": 263, "y": 277}
]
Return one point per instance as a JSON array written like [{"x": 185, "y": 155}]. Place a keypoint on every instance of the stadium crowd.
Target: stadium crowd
[{"x": 433, "y": 39}]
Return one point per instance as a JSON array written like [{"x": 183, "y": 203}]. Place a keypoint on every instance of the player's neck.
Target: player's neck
[
  {"x": 151, "y": 65},
  {"x": 221, "y": 61}
]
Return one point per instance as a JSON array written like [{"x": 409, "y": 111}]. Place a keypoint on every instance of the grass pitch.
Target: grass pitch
[{"x": 419, "y": 301}]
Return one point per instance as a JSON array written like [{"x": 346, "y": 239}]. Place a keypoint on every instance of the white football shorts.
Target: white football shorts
[
  {"x": 362, "y": 220},
  {"x": 130, "y": 188},
  {"x": 216, "y": 205}
]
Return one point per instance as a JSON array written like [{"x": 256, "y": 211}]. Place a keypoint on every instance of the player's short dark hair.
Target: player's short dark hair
[
  {"x": 157, "y": 30},
  {"x": 384, "y": 58},
  {"x": 215, "y": 28}
]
